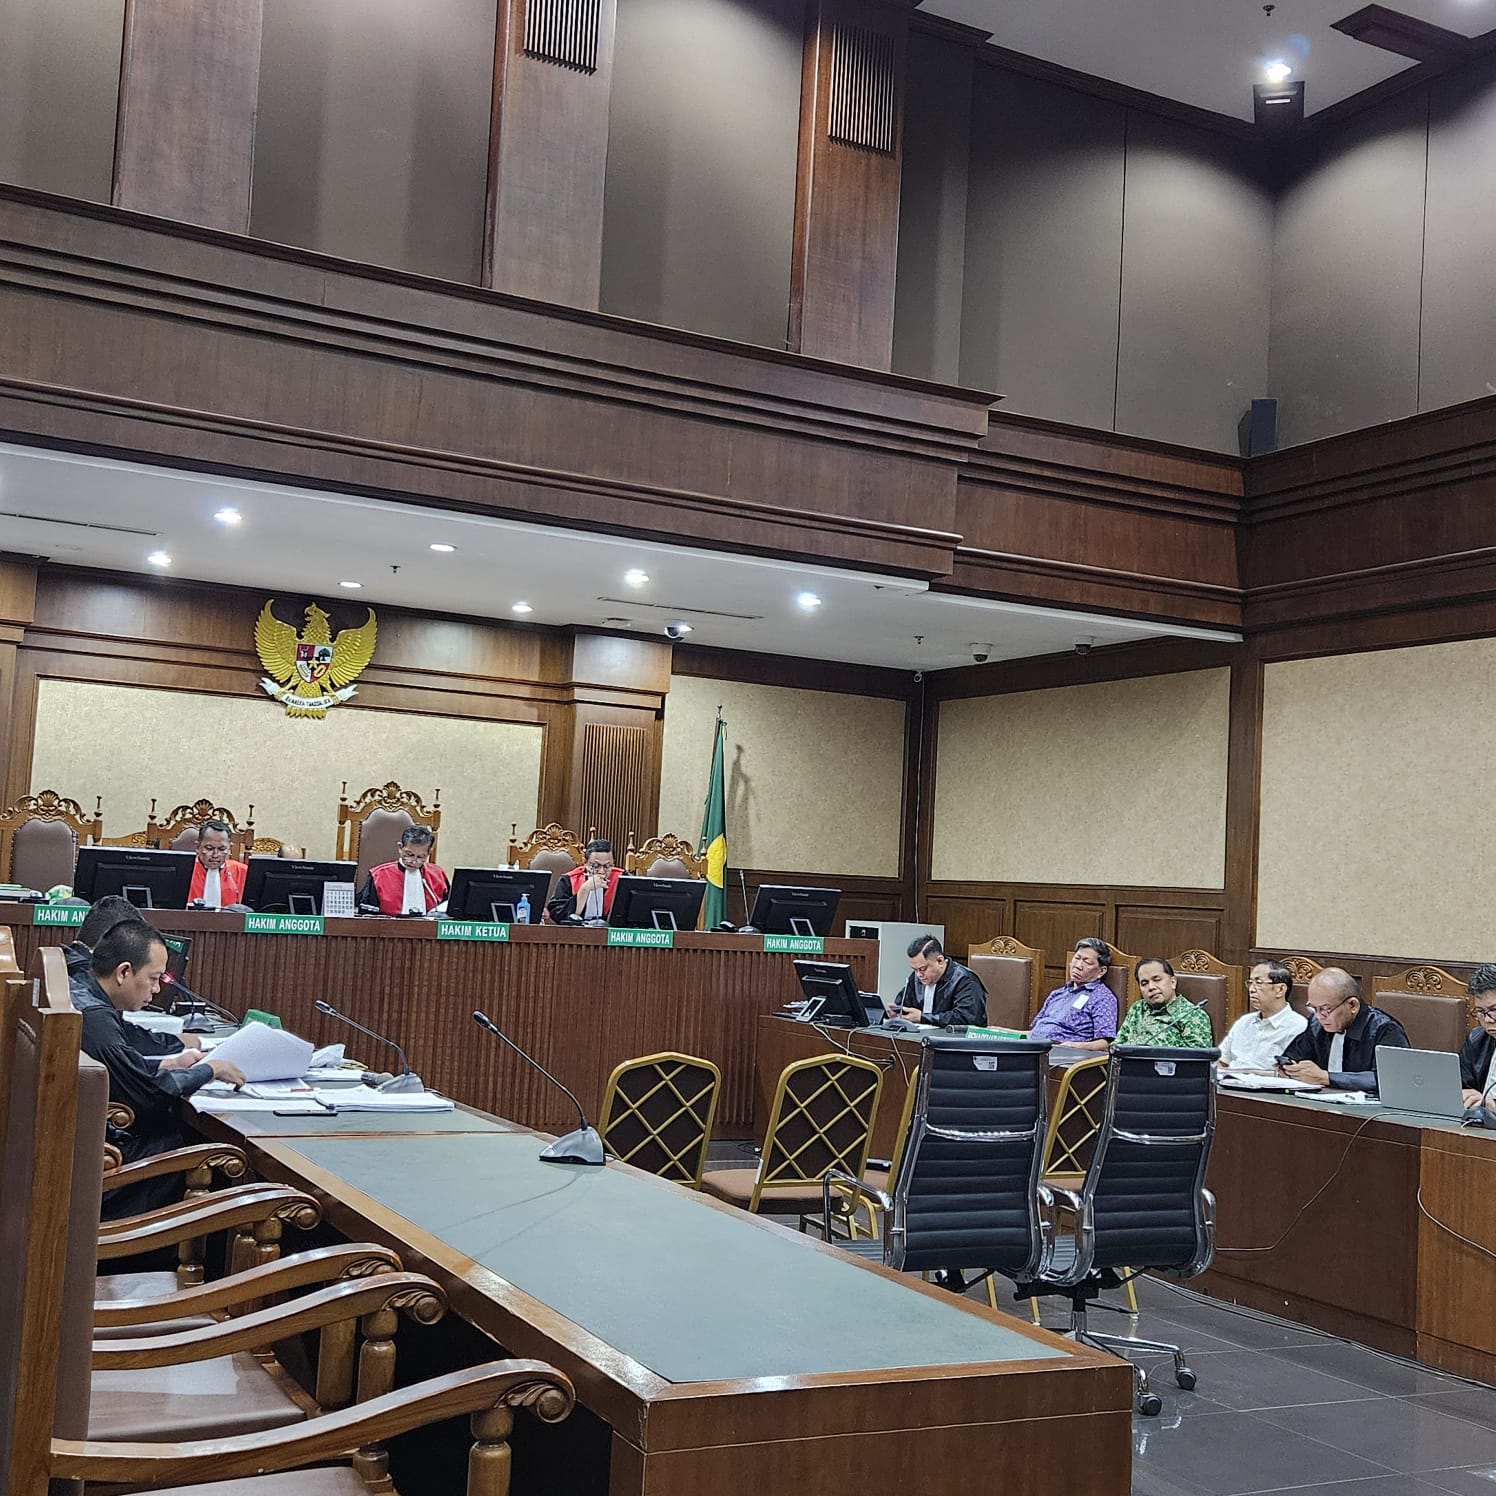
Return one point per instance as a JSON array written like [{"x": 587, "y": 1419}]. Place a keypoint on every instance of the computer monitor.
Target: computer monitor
[
  {"x": 149, "y": 879},
  {"x": 656, "y": 903},
  {"x": 832, "y": 994},
  {"x": 779, "y": 910},
  {"x": 283, "y": 885},
  {"x": 493, "y": 893}
]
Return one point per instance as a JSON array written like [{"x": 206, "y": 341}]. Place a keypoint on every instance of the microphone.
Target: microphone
[
  {"x": 745, "y": 928},
  {"x": 199, "y": 1007},
  {"x": 407, "y": 1080},
  {"x": 581, "y": 1146}
]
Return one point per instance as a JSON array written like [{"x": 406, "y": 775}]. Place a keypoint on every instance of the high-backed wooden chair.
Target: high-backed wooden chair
[
  {"x": 549, "y": 849},
  {"x": 665, "y": 856},
  {"x": 1013, "y": 975},
  {"x": 177, "y": 830},
  {"x": 1212, "y": 984},
  {"x": 657, "y": 1114},
  {"x": 49, "y": 1363},
  {"x": 370, "y": 827},
  {"x": 8, "y": 964},
  {"x": 1304, "y": 971},
  {"x": 40, "y": 836},
  {"x": 1431, "y": 1004},
  {"x": 822, "y": 1119},
  {"x": 1122, "y": 978}
]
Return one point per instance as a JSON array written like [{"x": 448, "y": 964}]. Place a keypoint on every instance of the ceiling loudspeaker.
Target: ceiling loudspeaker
[
  {"x": 1278, "y": 109},
  {"x": 1257, "y": 431}
]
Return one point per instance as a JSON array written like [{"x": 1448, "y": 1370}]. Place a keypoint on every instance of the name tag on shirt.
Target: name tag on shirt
[{"x": 1078, "y": 1003}]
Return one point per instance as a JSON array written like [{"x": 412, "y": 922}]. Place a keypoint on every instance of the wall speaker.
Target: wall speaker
[{"x": 1257, "y": 431}]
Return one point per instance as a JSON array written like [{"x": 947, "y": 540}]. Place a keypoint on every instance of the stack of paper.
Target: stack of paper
[
  {"x": 264, "y": 1053},
  {"x": 312, "y": 1101}
]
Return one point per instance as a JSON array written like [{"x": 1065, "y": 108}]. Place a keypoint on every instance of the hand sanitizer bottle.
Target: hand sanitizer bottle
[{"x": 522, "y": 910}]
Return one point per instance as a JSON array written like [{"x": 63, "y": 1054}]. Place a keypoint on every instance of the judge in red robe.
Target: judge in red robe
[
  {"x": 217, "y": 880},
  {"x": 586, "y": 892},
  {"x": 412, "y": 884}
]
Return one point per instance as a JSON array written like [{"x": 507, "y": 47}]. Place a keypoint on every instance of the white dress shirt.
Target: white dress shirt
[
  {"x": 1253, "y": 1042},
  {"x": 592, "y": 906},
  {"x": 414, "y": 900},
  {"x": 212, "y": 888},
  {"x": 928, "y": 1005}
]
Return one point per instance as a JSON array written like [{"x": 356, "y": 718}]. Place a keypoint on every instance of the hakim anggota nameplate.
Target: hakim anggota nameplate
[{"x": 282, "y": 924}]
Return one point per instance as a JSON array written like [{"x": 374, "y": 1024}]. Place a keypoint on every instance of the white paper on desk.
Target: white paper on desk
[
  {"x": 329, "y": 1057},
  {"x": 366, "y": 1099},
  {"x": 230, "y": 1100},
  {"x": 277, "y": 1090},
  {"x": 157, "y": 1023},
  {"x": 1259, "y": 1080},
  {"x": 264, "y": 1053},
  {"x": 220, "y": 1097},
  {"x": 1345, "y": 1098}
]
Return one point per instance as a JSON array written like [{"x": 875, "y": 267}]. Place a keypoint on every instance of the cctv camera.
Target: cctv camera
[
  {"x": 981, "y": 653},
  {"x": 677, "y": 630},
  {"x": 1084, "y": 644}
]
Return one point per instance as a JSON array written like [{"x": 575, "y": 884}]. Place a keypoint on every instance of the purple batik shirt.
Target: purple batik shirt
[{"x": 1077, "y": 1015}]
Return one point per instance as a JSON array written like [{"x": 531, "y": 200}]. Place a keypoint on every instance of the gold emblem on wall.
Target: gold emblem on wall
[{"x": 310, "y": 670}]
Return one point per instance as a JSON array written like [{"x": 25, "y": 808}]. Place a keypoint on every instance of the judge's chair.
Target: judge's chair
[
  {"x": 40, "y": 836},
  {"x": 177, "y": 830},
  {"x": 1143, "y": 1204},
  {"x": 370, "y": 827},
  {"x": 549, "y": 849},
  {"x": 1431, "y": 1005},
  {"x": 964, "y": 1191},
  {"x": 1013, "y": 975},
  {"x": 657, "y": 1114},
  {"x": 822, "y": 1119},
  {"x": 665, "y": 856}
]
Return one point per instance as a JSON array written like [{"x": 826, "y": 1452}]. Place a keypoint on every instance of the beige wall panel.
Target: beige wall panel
[
  {"x": 128, "y": 743},
  {"x": 814, "y": 778},
  {"x": 1377, "y": 804},
  {"x": 1123, "y": 782}
]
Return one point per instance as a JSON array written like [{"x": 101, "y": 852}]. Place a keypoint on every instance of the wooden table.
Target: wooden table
[
  {"x": 714, "y": 1350},
  {"x": 577, "y": 1004},
  {"x": 1332, "y": 1195}
]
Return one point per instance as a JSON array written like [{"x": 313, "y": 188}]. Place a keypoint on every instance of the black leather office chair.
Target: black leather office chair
[
  {"x": 965, "y": 1192},
  {"x": 1143, "y": 1203}
]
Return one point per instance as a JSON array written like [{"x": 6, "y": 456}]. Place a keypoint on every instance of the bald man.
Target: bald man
[{"x": 1339, "y": 1047}]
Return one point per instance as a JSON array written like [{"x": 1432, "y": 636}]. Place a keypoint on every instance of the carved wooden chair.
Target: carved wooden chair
[
  {"x": 1430, "y": 1003},
  {"x": 1304, "y": 971},
  {"x": 665, "y": 856},
  {"x": 1013, "y": 975},
  {"x": 1122, "y": 978},
  {"x": 40, "y": 836},
  {"x": 657, "y": 1114},
  {"x": 822, "y": 1119},
  {"x": 370, "y": 827},
  {"x": 69, "y": 1426},
  {"x": 549, "y": 849},
  {"x": 9, "y": 967},
  {"x": 177, "y": 831},
  {"x": 1212, "y": 984}
]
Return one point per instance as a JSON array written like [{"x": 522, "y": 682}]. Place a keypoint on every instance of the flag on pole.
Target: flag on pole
[{"x": 714, "y": 833}]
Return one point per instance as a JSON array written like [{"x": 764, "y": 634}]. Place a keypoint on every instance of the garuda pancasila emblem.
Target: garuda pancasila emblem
[{"x": 311, "y": 671}]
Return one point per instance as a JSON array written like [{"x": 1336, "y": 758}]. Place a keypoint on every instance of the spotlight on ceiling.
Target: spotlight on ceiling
[
  {"x": 351, "y": 586},
  {"x": 1277, "y": 71},
  {"x": 158, "y": 558},
  {"x": 229, "y": 517},
  {"x": 521, "y": 608},
  {"x": 441, "y": 547},
  {"x": 808, "y": 602},
  {"x": 636, "y": 578}
]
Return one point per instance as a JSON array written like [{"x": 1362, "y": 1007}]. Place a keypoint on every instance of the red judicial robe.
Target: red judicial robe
[
  {"x": 230, "y": 882},
  {"x": 389, "y": 885},
  {"x": 565, "y": 902}
]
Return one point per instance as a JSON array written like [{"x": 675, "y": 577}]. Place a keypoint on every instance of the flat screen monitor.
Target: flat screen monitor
[
  {"x": 493, "y": 893},
  {"x": 283, "y": 885},
  {"x": 831, "y": 991},
  {"x": 149, "y": 879},
  {"x": 779, "y": 910},
  {"x": 656, "y": 903}
]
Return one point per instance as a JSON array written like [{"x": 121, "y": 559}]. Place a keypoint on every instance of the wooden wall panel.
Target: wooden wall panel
[
  {"x": 968, "y": 921},
  {"x": 1166, "y": 932},
  {"x": 619, "y": 768},
  {"x": 189, "y": 88}
]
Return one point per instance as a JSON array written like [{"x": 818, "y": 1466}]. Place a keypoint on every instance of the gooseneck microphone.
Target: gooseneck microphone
[
  {"x": 407, "y": 1080},
  {"x": 745, "y": 928},
  {"x": 581, "y": 1146},
  {"x": 200, "y": 1010}
]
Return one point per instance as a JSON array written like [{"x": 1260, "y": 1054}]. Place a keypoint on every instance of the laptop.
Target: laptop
[{"x": 1420, "y": 1080}]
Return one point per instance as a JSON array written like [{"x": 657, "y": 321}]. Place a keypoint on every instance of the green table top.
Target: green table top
[
  {"x": 1361, "y": 1112},
  {"x": 268, "y": 1125},
  {"x": 691, "y": 1292}
]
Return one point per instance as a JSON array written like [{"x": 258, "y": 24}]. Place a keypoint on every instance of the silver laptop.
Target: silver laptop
[{"x": 1420, "y": 1080}]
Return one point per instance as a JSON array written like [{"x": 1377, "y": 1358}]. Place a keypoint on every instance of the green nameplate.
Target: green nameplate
[
  {"x": 795, "y": 945},
  {"x": 282, "y": 924},
  {"x": 258, "y": 1015},
  {"x": 662, "y": 939},
  {"x": 173, "y": 944},
  {"x": 470, "y": 929},
  {"x": 995, "y": 1033},
  {"x": 58, "y": 914}
]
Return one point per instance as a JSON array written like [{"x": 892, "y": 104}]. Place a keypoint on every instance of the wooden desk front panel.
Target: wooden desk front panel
[
  {"x": 575, "y": 1003},
  {"x": 1456, "y": 1302}
]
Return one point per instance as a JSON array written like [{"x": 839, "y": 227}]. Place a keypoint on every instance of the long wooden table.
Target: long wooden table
[
  {"x": 1319, "y": 1220},
  {"x": 717, "y": 1350},
  {"x": 579, "y": 1005}
]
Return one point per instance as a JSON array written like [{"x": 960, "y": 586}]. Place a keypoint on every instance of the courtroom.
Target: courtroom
[{"x": 740, "y": 747}]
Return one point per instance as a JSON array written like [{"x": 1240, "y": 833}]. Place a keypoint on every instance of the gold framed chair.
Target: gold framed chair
[
  {"x": 822, "y": 1119},
  {"x": 1212, "y": 984},
  {"x": 657, "y": 1114},
  {"x": 178, "y": 831},
  {"x": 552, "y": 849},
  {"x": 665, "y": 856},
  {"x": 1013, "y": 975},
  {"x": 9, "y": 967},
  {"x": 370, "y": 827},
  {"x": 1430, "y": 1003},
  {"x": 40, "y": 835}
]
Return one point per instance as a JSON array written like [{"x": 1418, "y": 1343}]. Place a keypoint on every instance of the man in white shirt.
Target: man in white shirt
[{"x": 1256, "y": 1039}]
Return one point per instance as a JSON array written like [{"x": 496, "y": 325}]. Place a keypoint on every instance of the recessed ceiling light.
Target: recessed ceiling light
[
  {"x": 636, "y": 578},
  {"x": 808, "y": 601},
  {"x": 443, "y": 547},
  {"x": 351, "y": 586},
  {"x": 1277, "y": 71},
  {"x": 521, "y": 608},
  {"x": 159, "y": 558},
  {"x": 229, "y": 517}
]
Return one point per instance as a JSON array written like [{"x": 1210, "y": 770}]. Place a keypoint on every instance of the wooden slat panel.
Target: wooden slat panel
[{"x": 616, "y": 774}]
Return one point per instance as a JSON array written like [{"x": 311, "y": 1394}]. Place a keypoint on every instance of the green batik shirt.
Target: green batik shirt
[{"x": 1179, "y": 1026}]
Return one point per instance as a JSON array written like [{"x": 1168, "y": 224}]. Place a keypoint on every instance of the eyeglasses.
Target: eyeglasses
[
  {"x": 1324, "y": 1012},
  {"x": 1484, "y": 1013}
]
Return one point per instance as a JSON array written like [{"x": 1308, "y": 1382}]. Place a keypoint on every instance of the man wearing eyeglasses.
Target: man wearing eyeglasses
[
  {"x": 1339, "y": 1047},
  {"x": 1256, "y": 1039},
  {"x": 586, "y": 892},
  {"x": 1478, "y": 1053}
]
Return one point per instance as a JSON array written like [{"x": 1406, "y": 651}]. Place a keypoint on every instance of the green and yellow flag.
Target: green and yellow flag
[{"x": 714, "y": 834}]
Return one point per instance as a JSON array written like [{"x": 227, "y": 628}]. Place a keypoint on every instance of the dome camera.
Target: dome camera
[
  {"x": 677, "y": 630},
  {"x": 1084, "y": 643},
  {"x": 981, "y": 653}
]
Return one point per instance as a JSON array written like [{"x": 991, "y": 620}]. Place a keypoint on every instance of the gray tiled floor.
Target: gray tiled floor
[{"x": 1279, "y": 1408}]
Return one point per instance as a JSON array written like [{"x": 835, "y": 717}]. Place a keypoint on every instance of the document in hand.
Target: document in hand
[{"x": 264, "y": 1053}]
